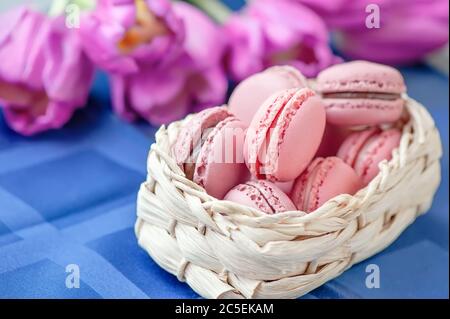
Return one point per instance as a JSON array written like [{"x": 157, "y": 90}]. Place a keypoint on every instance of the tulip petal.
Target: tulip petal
[
  {"x": 47, "y": 75},
  {"x": 280, "y": 32}
]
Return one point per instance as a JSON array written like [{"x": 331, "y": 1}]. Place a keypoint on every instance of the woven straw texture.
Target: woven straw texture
[{"x": 226, "y": 250}]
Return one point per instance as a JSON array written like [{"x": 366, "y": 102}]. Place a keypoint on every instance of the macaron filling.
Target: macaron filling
[{"x": 362, "y": 95}]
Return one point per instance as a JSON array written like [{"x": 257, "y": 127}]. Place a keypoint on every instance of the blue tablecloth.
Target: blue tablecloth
[{"x": 69, "y": 197}]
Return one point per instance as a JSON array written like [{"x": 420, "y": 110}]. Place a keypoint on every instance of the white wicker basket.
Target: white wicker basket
[{"x": 226, "y": 250}]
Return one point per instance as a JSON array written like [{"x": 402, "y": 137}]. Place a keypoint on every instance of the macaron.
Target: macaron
[
  {"x": 364, "y": 150},
  {"x": 209, "y": 150},
  {"x": 249, "y": 94},
  {"x": 262, "y": 195},
  {"x": 324, "y": 179},
  {"x": 361, "y": 93},
  {"x": 284, "y": 135}
]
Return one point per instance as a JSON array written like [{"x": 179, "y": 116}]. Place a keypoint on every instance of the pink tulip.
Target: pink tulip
[
  {"x": 409, "y": 29},
  {"x": 270, "y": 32},
  {"x": 44, "y": 75},
  {"x": 170, "y": 65},
  {"x": 119, "y": 35},
  {"x": 343, "y": 14}
]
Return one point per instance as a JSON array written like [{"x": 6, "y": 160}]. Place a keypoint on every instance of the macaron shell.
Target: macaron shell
[
  {"x": 326, "y": 179},
  {"x": 284, "y": 135},
  {"x": 261, "y": 195},
  {"x": 361, "y": 76},
  {"x": 300, "y": 130},
  {"x": 218, "y": 170},
  {"x": 192, "y": 131},
  {"x": 276, "y": 198},
  {"x": 248, "y": 96},
  {"x": 349, "y": 112},
  {"x": 375, "y": 150},
  {"x": 248, "y": 196},
  {"x": 335, "y": 178},
  {"x": 291, "y": 73},
  {"x": 350, "y": 148},
  {"x": 302, "y": 185}
]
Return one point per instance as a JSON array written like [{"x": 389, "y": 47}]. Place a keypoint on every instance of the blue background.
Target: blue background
[{"x": 68, "y": 197}]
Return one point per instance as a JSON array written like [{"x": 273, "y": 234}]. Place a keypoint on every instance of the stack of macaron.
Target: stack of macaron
[{"x": 285, "y": 142}]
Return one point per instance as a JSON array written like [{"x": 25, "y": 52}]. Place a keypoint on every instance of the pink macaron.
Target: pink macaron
[
  {"x": 324, "y": 179},
  {"x": 209, "y": 150},
  {"x": 361, "y": 93},
  {"x": 261, "y": 195},
  {"x": 248, "y": 96},
  {"x": 364, "y": 150},
  {"x": 284, "y": 135}
]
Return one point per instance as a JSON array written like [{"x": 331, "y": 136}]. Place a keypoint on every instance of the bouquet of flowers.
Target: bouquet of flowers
[{"x": 165, "y": 59}]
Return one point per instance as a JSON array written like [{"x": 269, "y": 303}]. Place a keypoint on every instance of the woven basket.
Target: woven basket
[{"x": 226, "y": 250}]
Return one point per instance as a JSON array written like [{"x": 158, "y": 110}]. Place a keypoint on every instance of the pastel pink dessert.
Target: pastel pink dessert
[
  {"x": 284, "y": 135},
  {"x": 324, "y": 179},
  {"x": 261, "y": 195},
  {"x": 209, "y": 150},
  {"x": 248, "y": 96},
  {"x": 364, "y": 150},
  {"x": 361, "y": 93}
]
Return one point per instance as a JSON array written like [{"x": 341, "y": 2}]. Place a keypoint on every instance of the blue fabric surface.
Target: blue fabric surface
[{"x": 68, "y": 197}]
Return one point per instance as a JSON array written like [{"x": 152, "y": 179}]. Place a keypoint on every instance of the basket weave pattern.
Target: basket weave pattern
[{"x": 226, "y": 250}]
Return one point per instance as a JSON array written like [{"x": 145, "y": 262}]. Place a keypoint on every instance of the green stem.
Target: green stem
[{"x": 214, "y": 8}]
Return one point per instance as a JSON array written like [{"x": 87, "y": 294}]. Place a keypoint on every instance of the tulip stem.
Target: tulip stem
[{"x": 214, "y": 8}]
